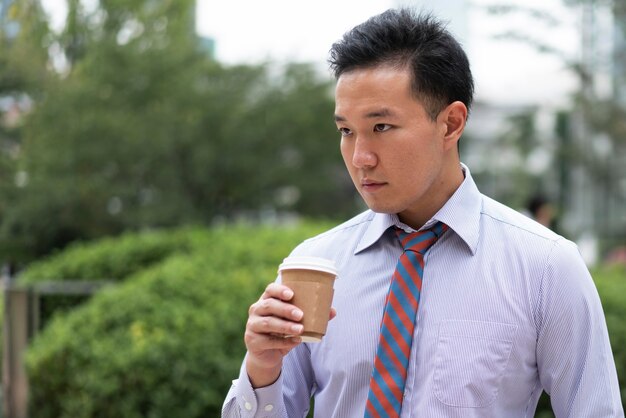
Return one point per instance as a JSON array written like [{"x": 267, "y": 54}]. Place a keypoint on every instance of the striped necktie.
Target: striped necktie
[{"x": 396, "y": 333}]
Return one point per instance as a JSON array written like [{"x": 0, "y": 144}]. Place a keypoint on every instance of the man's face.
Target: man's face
[{"x": 395, "y": 153}]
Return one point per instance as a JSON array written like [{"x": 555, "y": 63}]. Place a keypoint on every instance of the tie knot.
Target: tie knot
[{"x": 421, "y": 241}]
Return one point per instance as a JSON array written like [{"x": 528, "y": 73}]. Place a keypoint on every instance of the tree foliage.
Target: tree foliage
[{"x": 137, "y": 128}]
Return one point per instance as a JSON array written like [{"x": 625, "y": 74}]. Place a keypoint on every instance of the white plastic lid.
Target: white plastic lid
[{"x": 308, "y": 263}]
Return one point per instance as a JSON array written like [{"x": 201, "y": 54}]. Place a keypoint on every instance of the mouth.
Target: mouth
[{"x": 371, "y": 185}]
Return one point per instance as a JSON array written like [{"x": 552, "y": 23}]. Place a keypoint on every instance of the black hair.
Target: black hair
[
  {"x": 536, "y": 202},
  {"x": 440, "y": 69}
]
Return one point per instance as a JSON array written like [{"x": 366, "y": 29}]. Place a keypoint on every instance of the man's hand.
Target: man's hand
[{"x": 271, "y": 332}]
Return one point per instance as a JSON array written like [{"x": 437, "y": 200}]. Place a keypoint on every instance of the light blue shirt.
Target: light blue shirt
[{"x": 507, "y": 309}]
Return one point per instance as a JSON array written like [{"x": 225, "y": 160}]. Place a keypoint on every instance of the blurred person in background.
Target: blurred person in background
[
  {"x": 541, "y": 209},
  {"x": 448, "y": 303}
]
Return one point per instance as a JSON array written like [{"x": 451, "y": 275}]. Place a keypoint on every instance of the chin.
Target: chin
[{"x": 378, "y": 208}]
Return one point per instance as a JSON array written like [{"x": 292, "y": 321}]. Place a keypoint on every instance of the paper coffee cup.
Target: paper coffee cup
[{"x": 312, "y": 280}]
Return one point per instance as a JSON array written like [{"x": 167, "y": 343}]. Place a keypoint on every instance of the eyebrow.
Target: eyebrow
[{"x": 384, "y": 112}]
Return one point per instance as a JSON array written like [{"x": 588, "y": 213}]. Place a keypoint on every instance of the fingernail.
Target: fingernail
[
  {"x": 288, "y": 294},
  {"x": 296, "y": 328},
  {"x": 297, "y": 314}
]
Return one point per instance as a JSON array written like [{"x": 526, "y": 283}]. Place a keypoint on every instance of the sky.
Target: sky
[{"x": 505, "y": 71}]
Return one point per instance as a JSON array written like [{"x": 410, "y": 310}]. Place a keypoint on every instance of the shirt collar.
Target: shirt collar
[{"x": 461, "y": 213}]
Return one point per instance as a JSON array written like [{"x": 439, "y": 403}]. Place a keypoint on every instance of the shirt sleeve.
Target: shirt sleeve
[
  {"x": 574, "y": 357},
  {"x": 288, "y": 397}
]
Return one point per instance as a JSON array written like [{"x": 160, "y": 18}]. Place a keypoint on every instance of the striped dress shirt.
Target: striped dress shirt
[{"x": 508, "y": 309}]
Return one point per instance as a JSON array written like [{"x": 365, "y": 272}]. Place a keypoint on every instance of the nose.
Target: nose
[{"x": 363, "y": 156}]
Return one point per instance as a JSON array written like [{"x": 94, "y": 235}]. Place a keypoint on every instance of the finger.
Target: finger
[
  {"x": 333, "y": 313},
  {"x": 273, "y": 325},
  {"x": 284, "y": 341},
  {"x": 275, "y": 307},
  {"x": 263, "y": 342},
  {"x": 277, "y": 291},
  {"x": 256, "y": 341}
]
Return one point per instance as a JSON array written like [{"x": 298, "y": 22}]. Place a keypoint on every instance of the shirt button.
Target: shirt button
[
  {"x": 269, "y": 407},
  {"x": 248, "y": 406}
]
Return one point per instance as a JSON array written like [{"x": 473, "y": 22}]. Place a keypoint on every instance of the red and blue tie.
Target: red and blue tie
[{"x": 396, "y": 333}]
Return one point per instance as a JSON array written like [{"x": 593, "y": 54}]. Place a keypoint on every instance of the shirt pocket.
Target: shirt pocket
[{"x": 470, "y": 360}]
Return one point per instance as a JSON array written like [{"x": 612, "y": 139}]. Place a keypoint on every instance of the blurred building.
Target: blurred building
[
  {"x": 596, "y": 207},
  {"x": 488, "y": 149},
  {"x": 11, "y": 108},
  {"x": 206, "y": 43},
  {"x": 8, "y": 18},
  {"x": 619, "y": 60}
]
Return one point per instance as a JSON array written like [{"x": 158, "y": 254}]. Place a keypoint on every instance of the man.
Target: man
[{"x": 499, "y": 307}]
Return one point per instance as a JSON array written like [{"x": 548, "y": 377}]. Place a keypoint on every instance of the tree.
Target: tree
[
  {"x": 141, "y": 129},
  {"x": 23, "y": 72}
]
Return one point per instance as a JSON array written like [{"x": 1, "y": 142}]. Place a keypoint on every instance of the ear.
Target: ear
[{"x": 452, "y": 122}]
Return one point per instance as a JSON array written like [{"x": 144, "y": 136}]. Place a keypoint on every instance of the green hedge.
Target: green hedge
[{"x": 165, "y": 343}]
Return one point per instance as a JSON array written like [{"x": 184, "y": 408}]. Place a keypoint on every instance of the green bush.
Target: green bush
[
  {"x": 109, "y": 259},
  {"x": 165, "y": 343},
  {"x": 114, "y": 258}
]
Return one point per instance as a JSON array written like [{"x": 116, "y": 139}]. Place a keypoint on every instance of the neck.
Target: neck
[{"x": 441, "y": 193}]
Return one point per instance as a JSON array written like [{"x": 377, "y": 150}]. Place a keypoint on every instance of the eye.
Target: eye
[
  {"x": 344, "y": 131},
  {"x": 381, "y": 127}
]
